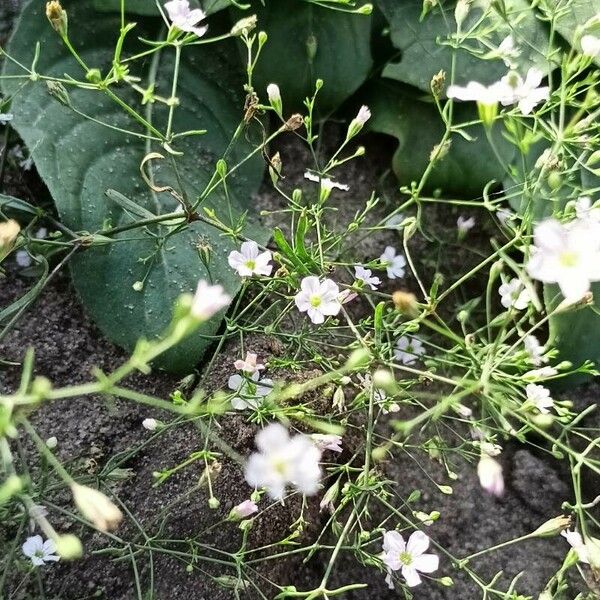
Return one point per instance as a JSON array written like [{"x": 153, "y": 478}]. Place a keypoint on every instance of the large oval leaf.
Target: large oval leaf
[
  {"x": 80, "y": 159},
  {"x": 307, "y": 42},
  {"x": 425, "y": 48}
]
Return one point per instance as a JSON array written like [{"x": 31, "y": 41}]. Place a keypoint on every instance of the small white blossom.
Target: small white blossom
[
  {"x": 566, "y": 254},
  {"x": 527, "y": 93},
  {"x": 590, "y": 45},
  {"x": 464, "y": 224},
  {"x": 243, "y": 510},
  {"x": 327, "y": 442},
  {"x": 507, "y": 51},
  {"x": 542, "y": 373},
  {"x": 364, "y": 114},
  {"x": 535, "y": 350},
  {"x": 489, "y": 471},
  {"x": 185, "y": 18},
  {"x": 477, "y": 92},
  {"x": 5, "y": 118},
  {"x": 326, "y": 183},
  {"x": 250, "y": 390},
  {"x": 408, "y": 349},
  {"x": 249, "y": 261},
  {"x": 540, "y": 397},
  {"x": 576, "y": 542},
  {"x": 409, "y": 557},
  {"x": 318, "y": 298},
  {"x": 393, "y": 262},
  {"x": 366, "y": 276},
  {"x": 150, "y": 424},
  {"x": 586, "y": 211},
  {"x": 249, "y": 364},
  {"x": 514, "y": 294},
  {"x": 209, "y": 300},
  {"x": 282, "y": 460},
  {"x": 273, "y": 93},
  {"x": 39, "y": 551}
]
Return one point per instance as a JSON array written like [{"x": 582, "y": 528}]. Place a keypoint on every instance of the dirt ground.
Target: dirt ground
[{"x": 93, "y": 433}]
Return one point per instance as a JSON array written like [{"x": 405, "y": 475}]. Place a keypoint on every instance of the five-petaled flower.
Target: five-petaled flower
[
  {"x": 282, "y": 460},
  {"x": 514, "y": 294},
  {"x": 408, "y": 349},
  {"x": 394, "y": 263},
  {"x": 409, "y": 557},
  {"x": 366, "y": 276},
  {"x": 566, "y": 254},
  {"x": 249, "y": 261},
  {"x": 318, "y": 298},
  {"x": 250, "y": 390},
  {"x": 185, "y": 18},
  {"x": 535, "y": 350},
  {"x": 526, "y": 93},
  {"x": 39, "y": 551},
  {"x": 540, "y": 397}
]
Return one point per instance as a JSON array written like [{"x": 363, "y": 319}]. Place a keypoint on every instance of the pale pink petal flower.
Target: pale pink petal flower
[
  {"x": 185, "y": 18},
  {"x": 209, "y": 300}
]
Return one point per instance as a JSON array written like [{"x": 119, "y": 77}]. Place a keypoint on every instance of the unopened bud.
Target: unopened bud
[
  {"x": 68, "y": 546},
  {"x": 9, "y": 230},
  {"x": 57, "y": 16},
  {"x": 244, "y": 26},
  {"x": 405, "y": 302},
  {"x": 553, "y": 527},
  {"x": 96, "y": 507},
  {"x": 438, "y": 83},
  {"x": 274, "y": 95},
  {"x": 294, "y": 122}
]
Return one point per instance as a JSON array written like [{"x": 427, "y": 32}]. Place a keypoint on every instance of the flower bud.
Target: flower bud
[
  {"x": 356, "y": 125},
  {"x": 553, "y": 527},
  {"x": 385, "y": 380},
  {"x": 150, "y": 424},
  {"x": 274, "y": 95},
  {"x": 68, "y": 546},
  {"x": 57, "y": 16},
  {"x": 244, "y": 26},
  {"x": 405, "y": 302},
  {"x": 52, "y": 442},
  {"x": 213, "y": 503},
  {"x": 461, "y": 11},
  {"x": 242, "y": 510},
  {"x": 438, "y": 83},
  {"x": 490, "y": 475},
  {"x": 95, "y": 506},
  {"x": 9, "y": 230},
  {"x": 208, "y": 300}
]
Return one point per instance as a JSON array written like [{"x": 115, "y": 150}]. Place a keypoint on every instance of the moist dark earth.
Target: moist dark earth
[{"x": 96, "y": 434}]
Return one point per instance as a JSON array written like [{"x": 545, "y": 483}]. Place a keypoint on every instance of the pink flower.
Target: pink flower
[
  {"x": 248, "y": 365},
  {"x": 243, "y": 510}
]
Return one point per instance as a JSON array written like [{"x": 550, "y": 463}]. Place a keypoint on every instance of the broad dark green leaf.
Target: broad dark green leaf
[
  {"x": 468, "y": 166},
  {"x": 307, "y": 42},
  {"x": 425, "y": 49},
  {"x": 80, "y": 160}
]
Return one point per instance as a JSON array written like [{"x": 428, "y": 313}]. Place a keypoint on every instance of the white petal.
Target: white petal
[
  {"x": 418, "y": 542},
  {"x": 271, "y": 438},
  {"x": 393, "y": 542},
  {"x": 426, "y": 563},
  {"x": 411, "y": 576}
]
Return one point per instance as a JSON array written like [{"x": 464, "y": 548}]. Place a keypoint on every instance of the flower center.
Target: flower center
[
  {"x": 406, "y": 558},
  {"x": 315, "y": 301},
  {"x": 279, "y": 466},
  {"x": 251, "y": 264},
  {"x": 568, "y": 259}
]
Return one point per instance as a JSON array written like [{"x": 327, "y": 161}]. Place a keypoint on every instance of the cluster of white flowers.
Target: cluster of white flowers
[
  {"x": 282, "y": 460},
  {"x": 511, "y": 89}
]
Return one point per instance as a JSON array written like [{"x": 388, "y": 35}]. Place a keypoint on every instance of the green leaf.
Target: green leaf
[
  {"x": 80, "y": 160},
  {"x": 425, "y": 48},
  {"x": 418, "y": 127},
  {"x": 308, "y": 42}
]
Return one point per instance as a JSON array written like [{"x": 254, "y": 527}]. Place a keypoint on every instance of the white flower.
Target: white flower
[
  {"x": 477, "y": 92},
  {"x": 96, "y": 507},
  {"x": 243, "y": 509},
  {"x": 283, "y": 460},
  {"x": 39, "y": 551},
  {"x": 576, "y": 542},
  {"x": 185, "y": 18},
  {"x": 507, "y": 51},
  {"x": 540, "y": 397},
  {"x": 464, "y": 224},
  {"x": 364, "y": 114},
  {"x": 514, "y": 294},
  {"x": 408, "y": 349},
  {"x": 535, "y": 350},
  {"x": 327, "y": 442},
  {"x": 250, "y": 390},
  {"x": 526, "y": 93},
  {"x": 409, "y": 557},
  {"x": 542, "y": 373},
  {"x": 566, "y": 254},
  {"x": 318, "y": 298},
  {"x": 590, "y": 45},
  {"x": 586, "y": 211},
  {"x": 5, "y": 118},
  {"x": 249, "y": 364},
  {"x": 366, "y": 276},
  {"x": 209, "y": 300},
  {"x": 150, "y": 424},
  {"x": 489, "y": 471},
  {"x": 394, "y": 263},
  {"x": 249, "y": 261},
  {"x": 326, "y": 183}
]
